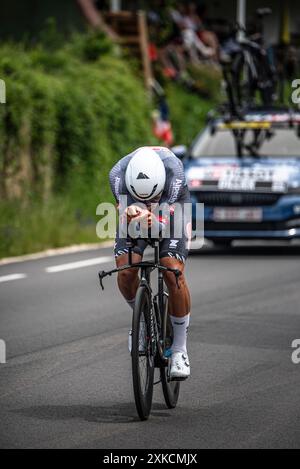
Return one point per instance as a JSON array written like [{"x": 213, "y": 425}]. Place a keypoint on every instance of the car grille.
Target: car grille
[{"x": 236, "y": 199}]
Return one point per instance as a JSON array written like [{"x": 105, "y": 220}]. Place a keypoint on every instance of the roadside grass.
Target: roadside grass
[{"x": 53, "y": 224}]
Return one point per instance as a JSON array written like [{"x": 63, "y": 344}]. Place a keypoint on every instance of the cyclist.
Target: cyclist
[{"x": 153, "y": 175}]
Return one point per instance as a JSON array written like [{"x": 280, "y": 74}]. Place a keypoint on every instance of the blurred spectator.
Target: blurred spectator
[
  {"x": 209, "y": 38},
  {"x": 179, "y": 38},
  {"x": 166, "y": 41},
  {"x": 162, "y": 128},
  {"x": 188, "y": 22}
]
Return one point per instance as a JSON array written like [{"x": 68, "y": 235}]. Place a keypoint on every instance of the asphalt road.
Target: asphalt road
[{"x": 67, "y": 382}]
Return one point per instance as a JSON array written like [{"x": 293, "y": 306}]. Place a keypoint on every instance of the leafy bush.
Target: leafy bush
[
  {"x": 73, "y": 109},
  {"x": 71, "y": 112},
  {"x": 188, "y": 113},
  {"x": 207, "y": 80}
]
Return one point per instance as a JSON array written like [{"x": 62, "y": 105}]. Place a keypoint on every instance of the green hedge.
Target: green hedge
[
  {"x": 71, "y": 112},
  {"x": 188, "y": 113}
]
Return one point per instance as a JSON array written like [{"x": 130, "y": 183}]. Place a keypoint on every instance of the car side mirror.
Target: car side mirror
[{"x": 180, "y": 151}]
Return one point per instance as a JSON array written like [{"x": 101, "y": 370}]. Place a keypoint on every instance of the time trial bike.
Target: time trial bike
[{"x": 152, "y": 332}]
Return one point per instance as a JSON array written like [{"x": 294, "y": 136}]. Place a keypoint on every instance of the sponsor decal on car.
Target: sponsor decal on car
[{"x": 235, "y": 178}]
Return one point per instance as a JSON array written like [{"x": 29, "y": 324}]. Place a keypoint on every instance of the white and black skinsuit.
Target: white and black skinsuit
[{"x": 175, "y": 194}]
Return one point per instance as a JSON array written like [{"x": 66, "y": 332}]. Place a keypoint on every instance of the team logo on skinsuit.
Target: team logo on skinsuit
[
  {"x": 175, "y": 190},
  {"x": 177, "y": 256},
  {"x": 173, "y": 243}
]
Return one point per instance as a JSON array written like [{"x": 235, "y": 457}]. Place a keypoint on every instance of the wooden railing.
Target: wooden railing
[{"x": 132, "y": 31}]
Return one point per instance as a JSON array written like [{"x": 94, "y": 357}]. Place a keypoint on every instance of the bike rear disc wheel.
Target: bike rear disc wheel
[
  {"x": 170, "y": 388},
  {"x": 142, "y": 357}
]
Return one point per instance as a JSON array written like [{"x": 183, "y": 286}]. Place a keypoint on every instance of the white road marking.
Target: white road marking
[
  {"x": 57, "y": 252},
  {"x": 79, "y": 264},
  {"x": 7, "y": 278}
]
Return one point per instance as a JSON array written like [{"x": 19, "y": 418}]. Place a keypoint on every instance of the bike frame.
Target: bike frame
[{"x": 158, "y": 319}]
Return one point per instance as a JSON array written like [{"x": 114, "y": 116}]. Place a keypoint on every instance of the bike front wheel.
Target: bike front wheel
[{"x": 142, "y": 356}]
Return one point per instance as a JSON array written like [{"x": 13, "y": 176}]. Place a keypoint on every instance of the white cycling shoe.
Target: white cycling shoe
[{"x": 180, "y": 366}]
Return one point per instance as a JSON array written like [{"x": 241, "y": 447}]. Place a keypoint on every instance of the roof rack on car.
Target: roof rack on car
[
  {"x": 262, "y": 121},
  {"x": 254, "y": 117}
]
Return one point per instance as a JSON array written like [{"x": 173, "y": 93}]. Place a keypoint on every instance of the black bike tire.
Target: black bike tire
[
  {"x": 143, "y": 401},
  {"x": 268, "y": 93},
  {"x": 247, "y": 94},
  {"x": 170, "y": 388},
  {"x": 244, "y": 95}
]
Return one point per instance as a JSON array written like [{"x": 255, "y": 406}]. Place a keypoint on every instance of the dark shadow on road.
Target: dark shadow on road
[
  {"x": 260, "y": 251},
  {"x": 117, "y": 413}
]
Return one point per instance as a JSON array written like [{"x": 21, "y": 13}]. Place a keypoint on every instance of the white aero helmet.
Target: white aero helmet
[{"x": 145, "y": 175}]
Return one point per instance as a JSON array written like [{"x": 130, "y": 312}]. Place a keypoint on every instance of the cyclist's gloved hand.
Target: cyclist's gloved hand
[
  {"x": 133, "y": 211},
  {"x": 142, "y": 216},
  {"x": 145, "y": 218},
  {"x": 147, "y": 221}
]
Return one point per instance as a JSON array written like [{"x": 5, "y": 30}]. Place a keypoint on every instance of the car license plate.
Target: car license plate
[
  {"x": 237, "y": 184},
  {"x": 237, "y": 214}
]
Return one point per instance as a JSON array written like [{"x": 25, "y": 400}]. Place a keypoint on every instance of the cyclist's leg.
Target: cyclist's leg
[
  {"x": 128, "y": 279},
  {"x": 179, "y": 311},
  {"x": 173, "y": 253},
  {"x": 175, "y": 257}
]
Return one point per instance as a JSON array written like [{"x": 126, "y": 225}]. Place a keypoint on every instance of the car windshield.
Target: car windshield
[{"x": 282, "y": 143}]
